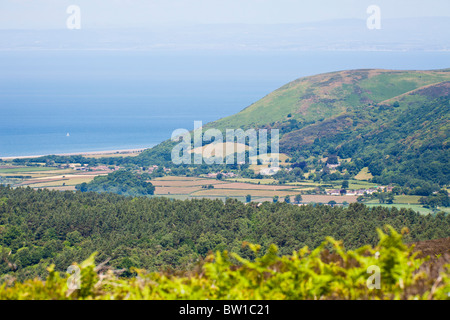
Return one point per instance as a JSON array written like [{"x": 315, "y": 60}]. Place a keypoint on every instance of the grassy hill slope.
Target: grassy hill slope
[
  {"x": 396, "y": 123},
  {"x": 327, "y": 95}
]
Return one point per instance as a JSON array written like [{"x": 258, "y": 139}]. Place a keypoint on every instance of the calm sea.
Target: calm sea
[{"x": 67, "y": 101}]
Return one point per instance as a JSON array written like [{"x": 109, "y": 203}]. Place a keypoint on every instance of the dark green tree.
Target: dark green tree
[{"x": 345, "y": 184}]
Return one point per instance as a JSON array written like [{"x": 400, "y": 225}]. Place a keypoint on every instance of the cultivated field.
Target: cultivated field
[
  {"x": 186, "y": 183},
  {"x": 190, "y": 187},
  {"x": 176, "y": 190},
  {"x": 243, "y": 193},
  {"x": 249, "y": 186},
  {"x": 254, "y": 181},
  {"x": 46, "y": 177},
  {"x": 364, "y": 174},
  {"x": 415, "y": 207},
  {"x": 182, "y": 188}
]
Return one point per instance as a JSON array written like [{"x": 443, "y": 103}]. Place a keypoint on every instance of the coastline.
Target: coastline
[{"x": 85, "y": 154}]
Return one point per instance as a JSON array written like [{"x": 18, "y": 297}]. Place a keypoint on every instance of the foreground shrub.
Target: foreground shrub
[{"x": 327, "y": 272}]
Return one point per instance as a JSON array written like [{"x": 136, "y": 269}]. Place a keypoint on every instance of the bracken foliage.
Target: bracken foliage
[{"x": 316, "y": 275}]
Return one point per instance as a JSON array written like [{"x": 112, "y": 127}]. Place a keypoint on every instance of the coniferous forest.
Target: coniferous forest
[{"x": 41, "y": 227}]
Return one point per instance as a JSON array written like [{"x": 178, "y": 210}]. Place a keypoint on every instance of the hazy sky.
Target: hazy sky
[{"x": 38, "y": 14}]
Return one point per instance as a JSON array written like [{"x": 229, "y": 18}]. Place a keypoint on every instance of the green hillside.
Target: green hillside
[
  {"x": 393, "y": 123},
  {"x": 396, "y": 123},
  {"x": 401, "y": 142},
  {"x": 326, "y": 95}
]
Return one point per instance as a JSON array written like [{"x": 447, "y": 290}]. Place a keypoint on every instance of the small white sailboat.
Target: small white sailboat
[{"x": 68, "y": 134}]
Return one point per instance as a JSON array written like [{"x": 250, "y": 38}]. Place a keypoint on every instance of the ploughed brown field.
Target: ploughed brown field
[
  {"x": 249, "y": 186},
  {"x": 192, "y": 187},
  {"x": 186, "y": 183},
  {"x": 243, "y": 193},
  {"x": 176, "y": 190},
  {"x": 177, "y": 178},
  {"x": 179, "y": 187},
  {"x": 326, "y": 198}
]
